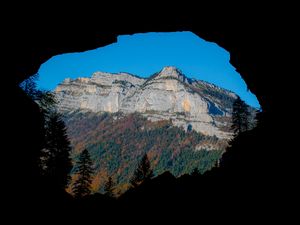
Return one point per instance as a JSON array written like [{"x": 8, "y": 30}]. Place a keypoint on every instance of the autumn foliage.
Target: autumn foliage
[{"x": 117, "y": 143}]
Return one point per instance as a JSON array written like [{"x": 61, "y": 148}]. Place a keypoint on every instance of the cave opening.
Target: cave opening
[{"x": 86, "y": 80}]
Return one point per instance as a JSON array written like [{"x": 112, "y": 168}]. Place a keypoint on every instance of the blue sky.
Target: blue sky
[{"x": 145, "y": 54}]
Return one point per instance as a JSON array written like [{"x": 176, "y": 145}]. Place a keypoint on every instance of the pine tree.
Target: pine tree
[
  {"x": 82, "y": 186},
  {"x": 55, "y": 157},
  {"x": 109, "y": 187},
  {"x": 240, "y": 116},
  {"x": 142, "y": 173}
]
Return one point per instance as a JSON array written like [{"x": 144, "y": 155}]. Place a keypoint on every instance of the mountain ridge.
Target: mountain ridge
[{"x": 167, "y": 94}]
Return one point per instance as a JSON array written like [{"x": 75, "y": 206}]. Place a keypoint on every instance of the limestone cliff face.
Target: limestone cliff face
[
  {"x": 102, "y": 92},
  {"x": 166, "y": 95}
]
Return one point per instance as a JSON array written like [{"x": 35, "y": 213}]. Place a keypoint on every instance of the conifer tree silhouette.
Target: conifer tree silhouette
[
  {"x": 82, "y": 186},
  {"x": 109, "y": 187},
  {"x": 240, "y": 116},
  {"x": 142, "y": 173},
  {"x": 55, "y": 161}
]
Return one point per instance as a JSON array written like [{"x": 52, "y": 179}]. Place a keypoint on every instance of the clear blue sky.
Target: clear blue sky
[{"x": 145, "y": 54}]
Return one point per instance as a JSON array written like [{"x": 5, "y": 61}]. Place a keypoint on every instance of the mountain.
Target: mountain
[
  {"x": 181, "y": 123},
  {"x": 167, "y": 95}
]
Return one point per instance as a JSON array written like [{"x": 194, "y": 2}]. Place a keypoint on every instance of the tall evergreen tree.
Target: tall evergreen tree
[
  {"x": 82, "y": 186},
  {"x": 240, "y": 116},
  {"x": 55, "y": 157},
  {"x": 142, "y": 173},
  {"x": 109, "y": 187}
]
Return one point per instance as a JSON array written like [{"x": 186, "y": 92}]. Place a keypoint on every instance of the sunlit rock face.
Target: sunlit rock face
[{"x": 166, "y": 95}]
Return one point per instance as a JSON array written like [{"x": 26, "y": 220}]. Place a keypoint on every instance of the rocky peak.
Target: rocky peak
[{"x": 171, "y": 72}]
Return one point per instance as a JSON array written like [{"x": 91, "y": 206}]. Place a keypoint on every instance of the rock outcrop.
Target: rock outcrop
[{"x": 167, "y": 95}]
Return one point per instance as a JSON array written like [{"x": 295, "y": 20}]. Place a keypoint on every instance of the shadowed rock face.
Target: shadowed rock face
[{"x": 166, "y": 95}]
